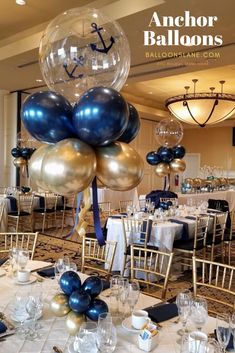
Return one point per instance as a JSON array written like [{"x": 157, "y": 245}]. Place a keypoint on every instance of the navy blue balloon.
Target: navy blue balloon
[
  {"x": 79, "y": 301},
  {"x": 133, "y": 125},
  {"x": 166, "y": 154},
  {"x": 48, "y": 117},
  {"x": 26, "y": 152},
  {"x": 153, "y": 158},
  {"x": 96, "y": 308},
  {"x": 69, "y": 282},
  {"x": 93, "y": 286},
  {"x": 178, "y": 151},
  {"x": 16, "y": 152},
  {"x": 100, "y": 116}
]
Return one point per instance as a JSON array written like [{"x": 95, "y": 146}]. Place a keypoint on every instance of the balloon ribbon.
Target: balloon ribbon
[
  {"x": 79, "y": 197},
  {"x": 96, "y": 216}
]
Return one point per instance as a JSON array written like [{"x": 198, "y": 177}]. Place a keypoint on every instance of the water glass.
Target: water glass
[
  {"x": 199, "y": 312},
  {"x": 59, "y": 268},
  {"x": 106, "y": 338},
  {"x": 223, "y": 330},
  {"x": 133, "y": 294},
  {"x": 13, "y": 259},
  {"x": 85, "y": 340},
  {"x": 183, "y": 302},
  {"x": 115, "y": 292},
  {"x": 22, "y": 258}
]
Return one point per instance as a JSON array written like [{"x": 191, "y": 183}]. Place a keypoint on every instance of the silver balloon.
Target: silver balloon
[
  {"x": 69, "y": 166},
  {"x": 119, "y": 166},
  {"x": 169, "y": 132}
]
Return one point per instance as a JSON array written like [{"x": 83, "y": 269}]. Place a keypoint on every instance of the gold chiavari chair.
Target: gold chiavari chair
[
  {"x": 195, "y": 246},
  {"x": 215, "y": 282},
  {"x": 229, "y": 236},
  {"x": 135, "y": 231},
  {"x": 96, "y": 258},
  {"x": 151, "y": 263},
  {"x": 123, "y": 205},
  {"x": 216, "y": 239},
  {"x": 19, "y": 240},
  {"x": 171, "y": 199},
  {"x": 22, "y": 218},
  {"x": 46, "y": 213},
  {"x": 66, "y": 209}
]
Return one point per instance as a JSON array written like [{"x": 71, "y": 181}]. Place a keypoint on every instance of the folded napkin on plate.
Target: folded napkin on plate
[
  {"x": 162, "y": 312},
  {"x": 3, "y": 327},
  {"x": 47, "y": 272},
  {"x": 230, "y": 347},
  {"x": 2, "y": 261},
  {"x": 184, "y": 234}
]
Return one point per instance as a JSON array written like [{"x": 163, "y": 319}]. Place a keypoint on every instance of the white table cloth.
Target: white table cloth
[
  {"x": 228, "y": 195},
  {"x": 162, "y": 236},
  {"x": 53, "y": 331}
]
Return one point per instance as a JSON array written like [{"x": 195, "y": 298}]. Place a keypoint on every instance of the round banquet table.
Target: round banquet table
[{"x": 53, "y": 331}]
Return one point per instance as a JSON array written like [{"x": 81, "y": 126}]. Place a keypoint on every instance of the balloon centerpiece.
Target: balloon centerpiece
[
  {"x": 85, "y": 122},
  {"x": 168, "y": 157},
  {"x": 78, "y": 301}
]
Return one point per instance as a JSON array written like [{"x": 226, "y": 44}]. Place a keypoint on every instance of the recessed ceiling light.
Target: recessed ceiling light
[
  {"x": 126, "y": 84},
  {"x": 38, "y": 80},
  {"x": 150, "y": 92},
  {"x": 20, "y": 2}
]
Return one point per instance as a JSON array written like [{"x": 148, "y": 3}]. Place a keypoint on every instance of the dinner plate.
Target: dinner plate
[
  {"x": 31, "y": 280},
  {"x": 126, "y": 324}
]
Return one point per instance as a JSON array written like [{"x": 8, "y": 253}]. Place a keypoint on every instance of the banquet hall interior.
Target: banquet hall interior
[{"x": 149, "y": 212}]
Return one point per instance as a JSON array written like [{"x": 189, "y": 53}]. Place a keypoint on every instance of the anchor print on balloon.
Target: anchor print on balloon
[
  {"x": 78, "y": 62},
  {"x": 105, "y": 49}
]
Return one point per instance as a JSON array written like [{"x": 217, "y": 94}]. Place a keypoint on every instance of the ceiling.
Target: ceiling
[{"x": 153, "y": 77}]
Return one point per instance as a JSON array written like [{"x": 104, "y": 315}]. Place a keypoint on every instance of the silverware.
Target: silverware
[{"x": 57, "y": 349}]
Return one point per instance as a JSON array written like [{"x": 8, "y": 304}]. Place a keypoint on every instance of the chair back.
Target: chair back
[
  {"x": 219, "y": 225},
  {"x": 123, "y": 205},
  {"x": 48, "y": 201},
  {"x": 105, "y": 207},
  {"x": 211, "y": 278},
  {"x": 155, "y": 196},
  {"x": 136, "y": 231},
  {"x": 201, "y": 229},
  {"x": 25, "y": 203},
  {"x": 151, "y": 263},
  {"x": 98, "y": 258},
  {"x": 18, "y": 240}
]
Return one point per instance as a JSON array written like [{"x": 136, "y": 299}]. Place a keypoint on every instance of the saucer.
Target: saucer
[
  {"x": 31, "y": 280},
  {"x": 126, "y": 324}
]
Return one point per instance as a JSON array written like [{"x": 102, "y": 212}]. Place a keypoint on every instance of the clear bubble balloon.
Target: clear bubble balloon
[
  {"x": 83, "y": 48},
  {"x": 169, "y": 132}
]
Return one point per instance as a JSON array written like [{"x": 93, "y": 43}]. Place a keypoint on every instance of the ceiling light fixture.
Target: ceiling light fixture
[
  {"x": 20, "y": 2},
  {"x": 202, "y": 108}
]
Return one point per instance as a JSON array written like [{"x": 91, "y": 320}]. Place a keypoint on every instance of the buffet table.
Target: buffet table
[
  {"x": 53, "y": 331},
  {"x": 228, "y": 195}
]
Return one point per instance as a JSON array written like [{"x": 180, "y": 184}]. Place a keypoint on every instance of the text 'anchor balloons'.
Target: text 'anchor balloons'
[{"x": 83, "y": 48}]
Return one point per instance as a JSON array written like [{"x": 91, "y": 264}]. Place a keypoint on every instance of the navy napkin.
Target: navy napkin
[
  {"x": 162, "y": 312},
  {"x": 230, "y": 347},
  {"x": 3, "y": 327},
  {"x": 2, "y": 261},
  {"x": 184, "y": 235},
  {"x": 47, "y": 272}
]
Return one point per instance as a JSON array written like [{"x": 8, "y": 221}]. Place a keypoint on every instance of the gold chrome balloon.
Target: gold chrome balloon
[
  {"x": 162, "y": 169},
  {"x": 73, "y": 322},
  {"x": 19, "y": 162},
  {"x": 35, "y": 165},
  {"x": 119, "y": 166},
  {"x": 197, "y": 182},
  {"x": 177, "y": 165},
  {"x": 82, "y": 224},
  {"x": 69, "y": 166},
  {"x": 59, "y": 305}
]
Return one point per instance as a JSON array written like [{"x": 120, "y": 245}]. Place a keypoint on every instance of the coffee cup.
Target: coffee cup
[
  {"x": 139, "y": 319},
  {"x": 197, "y": 342},
  {"x": 23, "y": 275}
]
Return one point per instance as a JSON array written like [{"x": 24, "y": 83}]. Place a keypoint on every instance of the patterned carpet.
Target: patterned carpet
[{"x": 51, "y": 246}]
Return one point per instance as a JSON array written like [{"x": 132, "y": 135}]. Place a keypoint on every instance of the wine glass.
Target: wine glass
[
  {"x": 133, "y": 294},
  {"x": 13, "y": 259},
  {"x": 59, "y": 268},
  {"x": 199, "y": 312},
  {"x": 106, "y": 338},
  {"x": 34, "y": 307},
  {"x": 85, "y": 340},
  {"x": 115, "y": 291},
  {"x": 22, "y": 258},
  {"x": 223, "y": 330},
  {"x": 183, "y": 302}
]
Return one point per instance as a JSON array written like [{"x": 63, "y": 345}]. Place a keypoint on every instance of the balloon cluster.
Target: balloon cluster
[
  {"x": 78, "y": 300},
  {"x": 85, "y": 122},
  {"x": 21, "y": 155},
  {"x": 167, "y": 160}
]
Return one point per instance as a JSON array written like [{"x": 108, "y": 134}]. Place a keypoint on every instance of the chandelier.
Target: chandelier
[{"x": 202, "y": 108}]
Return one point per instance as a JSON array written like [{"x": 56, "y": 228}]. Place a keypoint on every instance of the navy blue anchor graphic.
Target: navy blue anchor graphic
[
  {"x": 78, "y": 62},
  {"x": 105, "y": 49}
]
